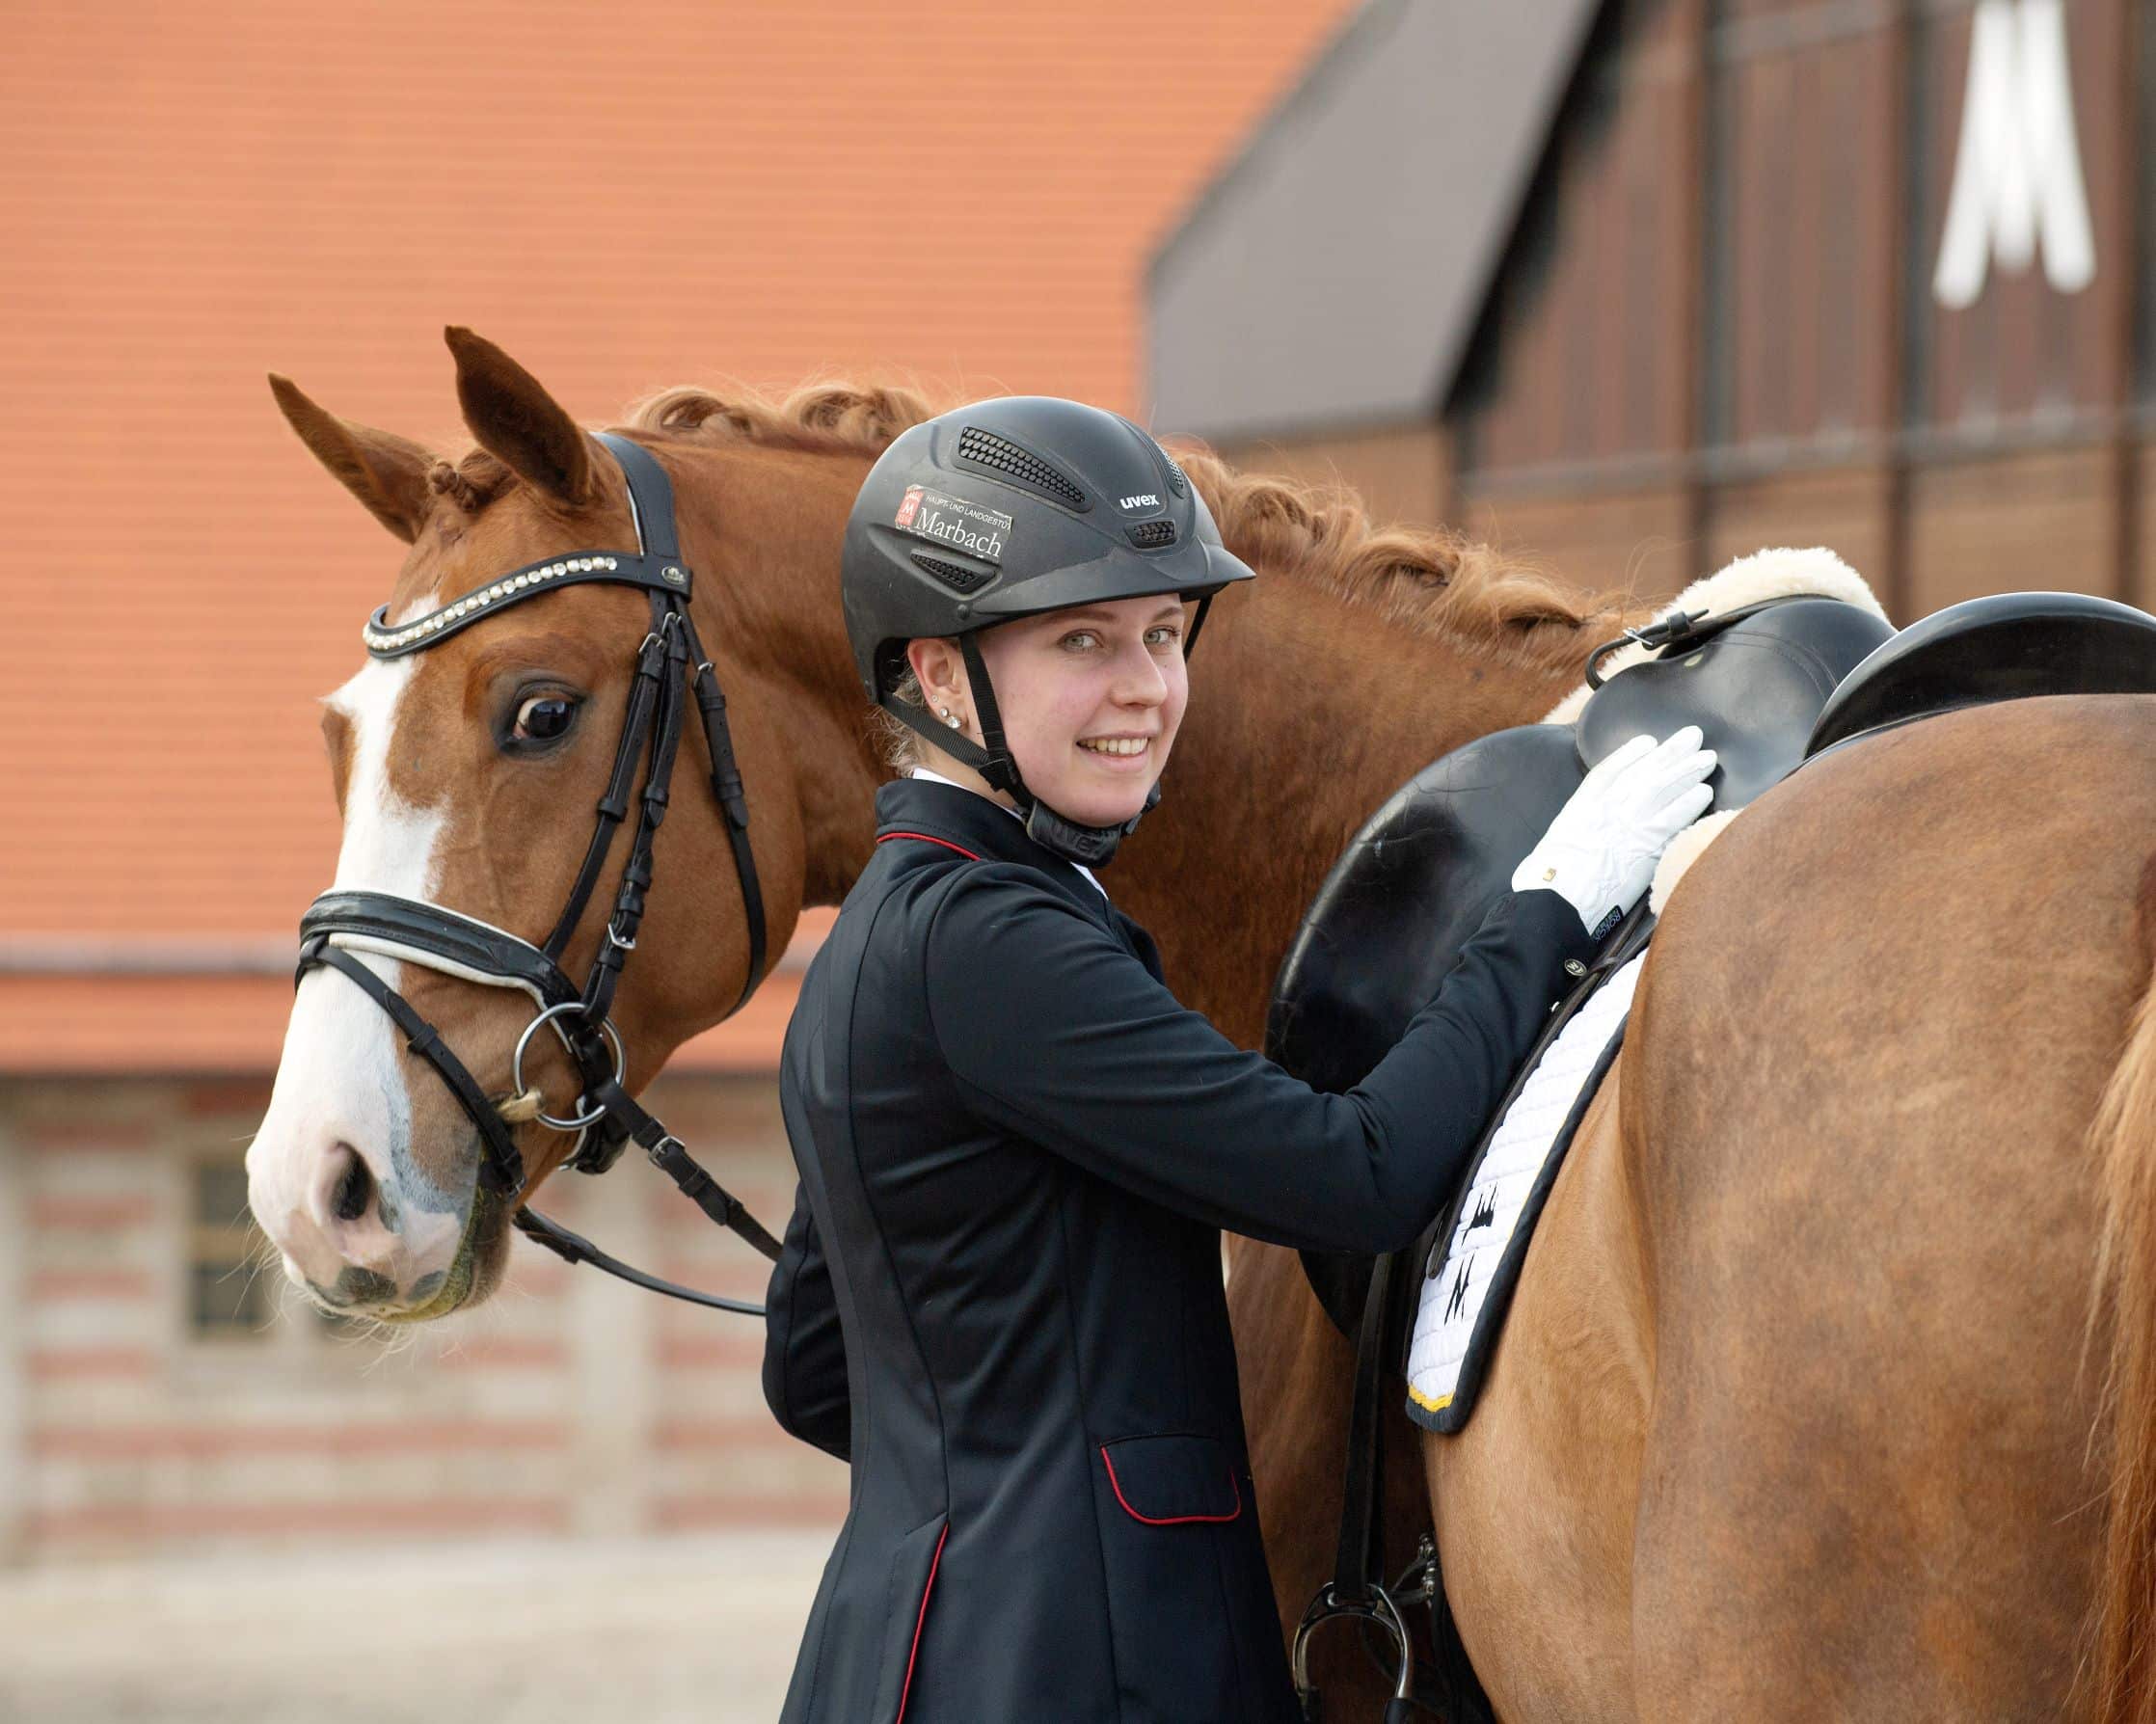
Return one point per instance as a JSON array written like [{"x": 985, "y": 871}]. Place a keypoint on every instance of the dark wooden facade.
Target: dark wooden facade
[{"x": 1715, "y": 327}]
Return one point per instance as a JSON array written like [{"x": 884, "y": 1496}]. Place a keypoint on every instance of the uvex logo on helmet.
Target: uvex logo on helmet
[{"x": 1144, "y": 499}]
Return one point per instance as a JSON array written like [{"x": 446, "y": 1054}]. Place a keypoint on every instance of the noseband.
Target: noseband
[{"x": 670, "y": 664}]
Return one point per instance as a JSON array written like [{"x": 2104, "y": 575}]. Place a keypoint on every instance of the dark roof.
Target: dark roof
[{"x": 1332, "y": 276}]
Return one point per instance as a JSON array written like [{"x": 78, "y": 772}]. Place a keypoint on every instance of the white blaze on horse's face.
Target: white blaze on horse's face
[{"x": 331, "y": 1174}]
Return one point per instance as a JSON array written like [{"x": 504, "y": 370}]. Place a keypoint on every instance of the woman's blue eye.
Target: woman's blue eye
[
  {"x": 1080, "y": 641},
  {"x": 1167, "y": 634}
]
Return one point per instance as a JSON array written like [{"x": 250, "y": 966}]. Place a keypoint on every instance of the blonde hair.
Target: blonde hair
[{"x": 897, "y": 742}]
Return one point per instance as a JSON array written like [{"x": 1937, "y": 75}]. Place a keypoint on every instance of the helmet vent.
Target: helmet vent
[
  {"x": 1151, "y": 535},
  {"x": 1005, "y": 458},
  {"x": 1176, "y": 480},
  {"x": 954, "y": 574}
]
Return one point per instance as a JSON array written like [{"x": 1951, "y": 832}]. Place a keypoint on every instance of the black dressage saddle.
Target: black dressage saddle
[
  {"x": 1771, "y": 685},
  {"x": 1419, "y": 877}
]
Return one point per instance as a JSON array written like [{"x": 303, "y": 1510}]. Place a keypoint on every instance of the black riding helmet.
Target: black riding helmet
[{"x": 1009, "y": 508}]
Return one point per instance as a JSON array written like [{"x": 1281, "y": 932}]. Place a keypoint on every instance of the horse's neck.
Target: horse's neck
[
  {"x": 769, "y": 608},
  {"x": 1306, "y": 714},
  {"x": 1306, "y": 711}
]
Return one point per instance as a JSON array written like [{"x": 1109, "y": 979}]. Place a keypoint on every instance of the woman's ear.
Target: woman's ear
[{"x": 940, "y": 669}]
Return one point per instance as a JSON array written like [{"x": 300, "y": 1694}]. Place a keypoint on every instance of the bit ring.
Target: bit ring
[{"x": 516, "y": 1064}]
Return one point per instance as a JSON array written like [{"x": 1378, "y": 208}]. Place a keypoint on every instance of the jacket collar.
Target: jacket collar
[{"x": 964, "y": 819}]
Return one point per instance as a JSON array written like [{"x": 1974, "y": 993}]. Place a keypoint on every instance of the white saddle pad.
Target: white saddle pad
[{"x": 1479, "y": 1257}]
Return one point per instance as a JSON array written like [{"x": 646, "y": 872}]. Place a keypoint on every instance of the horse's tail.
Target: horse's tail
[{"x": 2125, "y": 1140}]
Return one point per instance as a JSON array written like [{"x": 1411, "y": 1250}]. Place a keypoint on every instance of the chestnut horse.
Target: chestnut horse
[{"x": 1802, "y": 1411}]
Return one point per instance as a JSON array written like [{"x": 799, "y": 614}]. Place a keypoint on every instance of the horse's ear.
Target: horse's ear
[
  {"x": 386, "y": 472},
  {"x": 515, "y": 419}
]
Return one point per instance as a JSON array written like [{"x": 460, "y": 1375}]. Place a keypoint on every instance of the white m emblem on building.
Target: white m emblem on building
[{"x": 2017, "y": 169}]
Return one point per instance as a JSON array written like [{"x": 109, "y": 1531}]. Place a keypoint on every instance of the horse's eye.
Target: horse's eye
[{"x": 544, "y": 717}]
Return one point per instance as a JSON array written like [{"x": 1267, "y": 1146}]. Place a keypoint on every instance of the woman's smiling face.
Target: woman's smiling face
[{"x": 1090, "y": 697}]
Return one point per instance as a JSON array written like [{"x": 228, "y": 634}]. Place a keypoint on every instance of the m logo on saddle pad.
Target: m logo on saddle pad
[{"x": 1463, "y": 1298}]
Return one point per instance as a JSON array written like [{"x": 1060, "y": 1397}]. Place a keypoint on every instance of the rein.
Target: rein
[{"x": 671, "y": 663}]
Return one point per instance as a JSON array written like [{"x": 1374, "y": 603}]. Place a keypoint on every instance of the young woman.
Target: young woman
[{"x": 1001, "y": 1293}]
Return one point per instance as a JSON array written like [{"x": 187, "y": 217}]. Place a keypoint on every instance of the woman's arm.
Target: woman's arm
[
  {"x": 804, "y": 1351},
  {"x": 1058, "y": 1033}
]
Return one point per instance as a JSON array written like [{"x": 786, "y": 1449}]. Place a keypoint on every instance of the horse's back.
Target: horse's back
[{"x": 1859, "y": 1083}]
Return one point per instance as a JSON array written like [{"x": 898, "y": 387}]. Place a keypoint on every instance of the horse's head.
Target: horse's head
[{"x": 469, "y": 768}]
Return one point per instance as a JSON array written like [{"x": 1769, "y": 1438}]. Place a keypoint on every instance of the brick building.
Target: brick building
[{"x": 200, "y": 194}]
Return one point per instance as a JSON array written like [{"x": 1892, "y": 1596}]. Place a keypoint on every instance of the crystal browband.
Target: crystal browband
[{"x": 616, "y": 567}]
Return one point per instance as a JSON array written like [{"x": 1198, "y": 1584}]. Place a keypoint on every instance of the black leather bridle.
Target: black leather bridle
[{"x": 670, "y": 664}]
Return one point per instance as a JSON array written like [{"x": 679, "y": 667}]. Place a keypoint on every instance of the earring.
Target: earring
[{"x": 949, "y": 718}]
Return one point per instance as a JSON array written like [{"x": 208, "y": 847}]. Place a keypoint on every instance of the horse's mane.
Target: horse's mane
[
  {"x": 822, "y": 417},
  {"x": 1426, "y": 579},
  {"x": 1429, "y": 580}
]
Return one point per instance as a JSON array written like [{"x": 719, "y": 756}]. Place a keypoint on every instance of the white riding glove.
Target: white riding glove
[{"x": 1601, "y": 850}]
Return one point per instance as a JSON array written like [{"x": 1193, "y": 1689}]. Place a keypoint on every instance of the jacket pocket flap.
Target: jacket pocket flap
[{"x": 1173, "y": 1480}]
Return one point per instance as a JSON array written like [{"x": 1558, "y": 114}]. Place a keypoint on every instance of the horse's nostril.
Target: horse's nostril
[{"x": 355, "y": 1191}]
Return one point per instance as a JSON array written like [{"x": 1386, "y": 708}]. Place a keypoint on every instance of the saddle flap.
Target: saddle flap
[{"x": 1408, "y": 892}]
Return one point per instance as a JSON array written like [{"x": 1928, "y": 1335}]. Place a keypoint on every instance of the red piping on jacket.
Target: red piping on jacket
[
  {"x": 926, "y": 839},
  {"x": 1233, "y": 1484},
  {"x": 936, "y": 1561}
]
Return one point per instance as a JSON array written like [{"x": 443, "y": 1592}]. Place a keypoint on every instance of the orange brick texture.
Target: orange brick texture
[{"x": 960, "y": 194}]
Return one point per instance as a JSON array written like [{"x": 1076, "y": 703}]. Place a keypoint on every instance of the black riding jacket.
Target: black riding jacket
[{"x": 1001, "y": 1291}]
